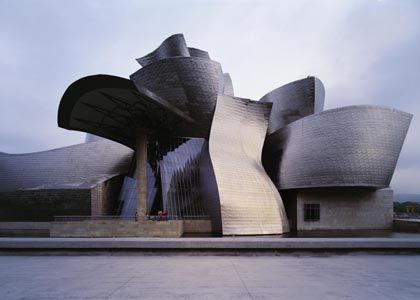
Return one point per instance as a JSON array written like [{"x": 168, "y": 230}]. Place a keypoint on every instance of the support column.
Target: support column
[{"x": 141, "y": 172}]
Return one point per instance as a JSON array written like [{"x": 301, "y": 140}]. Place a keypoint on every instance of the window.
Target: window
[{"x": 311, "y": 212}]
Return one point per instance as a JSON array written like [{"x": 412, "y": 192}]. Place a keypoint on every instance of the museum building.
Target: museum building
[{"x": 173, "y": 138}]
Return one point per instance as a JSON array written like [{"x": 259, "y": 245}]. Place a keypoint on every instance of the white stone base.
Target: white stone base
[{"x": 347, "y": 209}]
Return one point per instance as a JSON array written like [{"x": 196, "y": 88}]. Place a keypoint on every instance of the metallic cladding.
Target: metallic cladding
[
  {"x": 173, "y": 46},
  {"x": 209, "y": 192},
  {"x": 227, "y": 86},
  {"x": 181, "y": 92},
  {"x": 293, "y": 101},
  {"x": 249, "y": 201},
  {"x": 72, "y": 167},
  {"x": 165, "y": 95},
  {"x": 199, "y": 53},
  {"x": 348, "y": 146},
  {"x": 189, "y": 83}
]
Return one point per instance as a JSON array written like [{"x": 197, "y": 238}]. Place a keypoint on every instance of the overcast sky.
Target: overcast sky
[{"x": 365, "y": 52}]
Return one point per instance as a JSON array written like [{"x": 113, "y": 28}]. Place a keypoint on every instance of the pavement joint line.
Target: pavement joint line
[
  {"x": 117, "y": 288},
  {"x": 240, "y": 278}
]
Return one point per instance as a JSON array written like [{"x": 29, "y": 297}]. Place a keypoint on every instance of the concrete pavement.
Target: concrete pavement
[{"x": 354, "y": 276}]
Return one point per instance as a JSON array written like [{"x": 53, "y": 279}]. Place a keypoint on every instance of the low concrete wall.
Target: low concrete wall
[
  {"x": 197, "y": 226},
  {"x": 63, "y": 229},
  {"x": 116, "y": 228},
  {"x": 407, "y": 225},
  {"x": 24, "y": 228}
]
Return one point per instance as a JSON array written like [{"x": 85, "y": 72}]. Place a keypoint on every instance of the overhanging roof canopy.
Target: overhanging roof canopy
[{"x": 114, "y": 108}]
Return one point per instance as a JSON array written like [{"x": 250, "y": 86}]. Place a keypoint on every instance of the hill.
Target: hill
[{"x": 407, "y": 198}]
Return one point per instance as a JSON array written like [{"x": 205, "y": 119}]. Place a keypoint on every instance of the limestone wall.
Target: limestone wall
[
  {"x": 347, "y": 209},
  {"x": 116, "y": 228},
  {"x": 197, "y": 226}
]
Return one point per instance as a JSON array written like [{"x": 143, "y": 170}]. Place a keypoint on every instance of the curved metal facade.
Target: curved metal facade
[
  {"x": 348, "y": 146},
  {"x": 174, "y": 45},
  {"x": 77, "y": 166},
  {"x": 194, "y": 52},
  {"x": 227, "y": 86},
  {"x": 173, "y": 94},
  {"x": 180, "y": 94},
  {"x": 249, "y": 201},
  {"x": 209, "y": 191},
  {"x": 189, "y": 83},
  {"x": 293, "y": 101}
]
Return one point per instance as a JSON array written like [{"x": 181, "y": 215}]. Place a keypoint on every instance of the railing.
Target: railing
[
  {"x": 406, "y": 216},
  {"x": 113, "y": 217},
  {"x": 190, "y": 217},
  {"x": 84, "y": 218}
]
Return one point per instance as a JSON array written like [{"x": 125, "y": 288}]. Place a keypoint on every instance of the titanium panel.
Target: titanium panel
[
  {"x": 72, "y": 167},
  {"x": 194, "y": 52},
  {"x": 348, "y": 146},
  {"x": 293, "y": 101},
  {"x": 209, "y": 191},
  {"x": 189, "y": 83},
  {"x": 228, "y": 86},
  {"x": 173, "y": 46},
  {"x": 250, "y": 203}
]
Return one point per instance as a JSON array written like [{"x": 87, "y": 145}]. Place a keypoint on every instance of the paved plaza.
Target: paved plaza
[{"x": 288, "y": 276}]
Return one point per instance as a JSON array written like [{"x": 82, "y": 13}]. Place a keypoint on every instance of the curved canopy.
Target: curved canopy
[{"x": 114, "y": 108}]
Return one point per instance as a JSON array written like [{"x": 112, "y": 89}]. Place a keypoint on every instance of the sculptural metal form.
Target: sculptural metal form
[
  {"x": 181, "y": 93},
  {"x": 249, "y": 201},
  {"x": 175, "y": 94}
]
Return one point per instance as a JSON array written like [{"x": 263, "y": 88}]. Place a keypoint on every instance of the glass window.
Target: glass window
[{"x": 311, "y": 211}]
